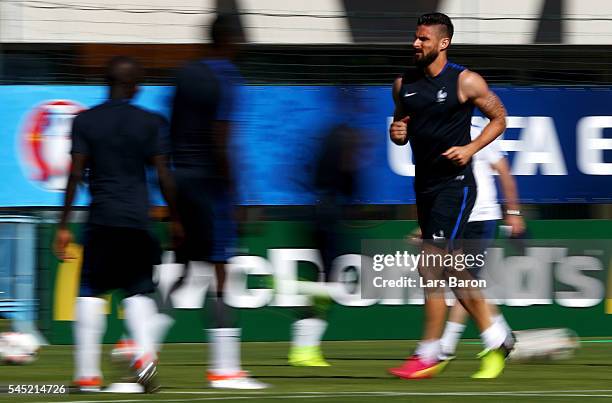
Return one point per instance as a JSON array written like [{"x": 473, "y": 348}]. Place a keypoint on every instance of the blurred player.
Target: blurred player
[
  {"x": 481, "y": 228},
  {"x": 114, "y": 142},
  {"x": 335, "y": 182},
  {"x": 433, "y": 109},
  {"x": 203, "y": 111}
]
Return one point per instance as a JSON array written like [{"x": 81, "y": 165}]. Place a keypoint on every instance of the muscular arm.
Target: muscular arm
[
  {"x": 473, "y": 88},
  {"x": 398, "y": 130}
]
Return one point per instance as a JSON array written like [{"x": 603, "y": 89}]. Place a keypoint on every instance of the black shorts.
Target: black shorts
[
  {"x": 118, "y": 258},
  {"x": 443, "y": 213},
  {"x": 205, "y": 209}
]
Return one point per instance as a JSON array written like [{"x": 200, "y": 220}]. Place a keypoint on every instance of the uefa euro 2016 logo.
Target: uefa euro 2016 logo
[{"x": 45, "y": 143}]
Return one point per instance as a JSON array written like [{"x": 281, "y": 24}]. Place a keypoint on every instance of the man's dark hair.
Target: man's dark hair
[
  {"x": 225, "y": 30},
  {"x": 437, "y": 19},
  {"x": 123, "y": 71}
]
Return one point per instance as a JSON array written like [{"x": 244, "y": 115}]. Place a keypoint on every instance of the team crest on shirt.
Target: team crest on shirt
[
  {"x": 45, "y": 143},
  {"x": 441, "y": 95}
]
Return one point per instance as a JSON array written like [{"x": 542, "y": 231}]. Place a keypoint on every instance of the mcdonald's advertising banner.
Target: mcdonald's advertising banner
[{"x": 560, "y": 278}]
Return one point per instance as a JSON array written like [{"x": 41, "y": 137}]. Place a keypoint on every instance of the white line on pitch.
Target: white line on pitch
[
  {"x": 203, "y": 392},
  {"x": 355, "y": 394}
]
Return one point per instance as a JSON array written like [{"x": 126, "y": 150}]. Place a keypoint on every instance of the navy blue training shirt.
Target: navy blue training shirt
[
  {"x": 119, "y": 140},
  {"x": 205, "y": 93},
  {"x": 438, "y": 121}
]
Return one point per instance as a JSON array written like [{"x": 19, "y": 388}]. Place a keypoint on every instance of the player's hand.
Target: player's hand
[
  {"x": 63, "y": 237},
  {"x": 459, "y": 155},
  {"x": 399, "y": 131},
  {"x": 177, "y": 233},
  {"x": 516, "y": 223}
]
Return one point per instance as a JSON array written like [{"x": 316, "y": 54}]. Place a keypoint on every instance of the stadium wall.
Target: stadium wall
[{"x": 313, "y": 22}]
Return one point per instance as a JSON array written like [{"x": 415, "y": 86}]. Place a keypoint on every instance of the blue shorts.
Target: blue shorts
[
  {"x": 443, "y": 214},
  {"x": 206, "y": 214}
]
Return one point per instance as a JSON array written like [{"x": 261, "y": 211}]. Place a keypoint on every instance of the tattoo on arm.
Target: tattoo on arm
[{"x": 491, "y": 106}]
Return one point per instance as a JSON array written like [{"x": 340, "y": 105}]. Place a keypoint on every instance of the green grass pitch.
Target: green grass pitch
[{"x": 358, "y": 374}]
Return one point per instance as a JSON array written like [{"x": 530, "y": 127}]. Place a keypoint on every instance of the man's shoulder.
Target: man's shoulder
[
  {"x": 471, "y": 81},
  {"x": 145, "y": 114},
  {"x": 211, "y": 69},
  {"x": 193, "y": 68},
  {"x": 135, "y": 113},
  {"x": 451, "y": 66},
  {"x": 88, "y": 114}
]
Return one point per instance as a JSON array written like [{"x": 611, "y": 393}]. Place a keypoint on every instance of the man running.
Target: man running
[{"x": 433, "y": 110}]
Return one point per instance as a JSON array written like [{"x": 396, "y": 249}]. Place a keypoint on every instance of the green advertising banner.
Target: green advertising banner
[{"x": 558, "y": 284}]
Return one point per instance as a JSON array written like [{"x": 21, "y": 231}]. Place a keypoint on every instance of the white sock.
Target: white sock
[
  {"x": 225, "y": 350},
  {"x": 308, "y": 332},
  {"x": 494, "y": 336},
  {"x": 428, "y": 350},
  {"x": 139, "y": 310},
  {"x": 451, "y": 336},
  {"x": 160, "y": 325},
  {"x": 89, "y": 328},
  {"x": 502, "y": 321}
]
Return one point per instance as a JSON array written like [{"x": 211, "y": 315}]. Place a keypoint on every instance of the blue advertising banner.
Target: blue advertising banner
[{"x": 559, "y": 141}]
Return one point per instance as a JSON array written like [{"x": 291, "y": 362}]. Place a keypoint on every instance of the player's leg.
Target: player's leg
[
  {"x": 425, "y": 363},
  {"x": 161, "y": 323},
  {"x": 307, "y": 334},
  {"x": 477, "y": 236},
  {"x": 209, "y": 235},
  {"x": 452, "y": 209},
  {"x": 224, "y": 336},
  {"x": 493, "y": 334},
  {"x": 89, "y": 327},
  {"x": 484, "y": 237},
  {"x": 455, "y": 326},
  {"x": 225, "y": 364},
  {"x": 447, "y": 209},
  {"x": 90, "y": 318},
  {"x": 139, "y": 309},
  {"x": 308, "y": 331},
  {"x": 435, "y": 303},
  {"x": 140, "y": 252}
]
